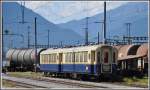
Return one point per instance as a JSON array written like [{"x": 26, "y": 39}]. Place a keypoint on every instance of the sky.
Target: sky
[{"x": 65, "y": 11}]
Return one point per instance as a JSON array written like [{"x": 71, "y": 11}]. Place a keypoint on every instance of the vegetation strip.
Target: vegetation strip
[
  {"x": 65, "y": 83},
  {"x": 134, "y": 81},
  {"x": 23, "y": 84}
]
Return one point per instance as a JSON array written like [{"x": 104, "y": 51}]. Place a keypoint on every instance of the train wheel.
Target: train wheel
[
  {"x": 66, "y": 75},
  {"x": 74, "y": 76},
  {"x": 45, "y": 73},
  {"x": 84, "y": 77},
  {"x": 100, "y": 78}
]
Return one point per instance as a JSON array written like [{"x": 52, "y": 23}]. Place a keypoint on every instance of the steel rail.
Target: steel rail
[{"x": 25, "y": 85}]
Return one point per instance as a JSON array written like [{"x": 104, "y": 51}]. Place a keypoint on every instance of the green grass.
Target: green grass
[
  {"x": 7, "y": 84},
  {"x": 129, "y": 81},
  {"x": 135, "y": 81},
  {"x": 25, "y": 74}
]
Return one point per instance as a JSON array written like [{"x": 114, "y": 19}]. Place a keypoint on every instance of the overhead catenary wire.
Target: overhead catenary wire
[
  {"x": 39, "y": 23},
  {"x": 29, "y": 22},
  {"x": 64, "y": 17},
  {"x": 67, "y": 16}
]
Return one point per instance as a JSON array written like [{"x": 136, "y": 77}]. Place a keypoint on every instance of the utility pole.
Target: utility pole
[
  {"x": 104, "y": 22},
  {"x": 128, "y": 32},
  {"x": 11, "y": 43},
  {"x": 48, "y": 38},
  {"x": 8, "y": 32},
  {"x": 22, "y": 11},
  {"x": 35, "y": 44},
  {"x": 98, "y": 38},
  {"x": 28, "y": 36},
  {"x": 61, "y": 43},
  {"x": 2, "y": 43},
  {"x": 10, "y": 38},
  {"x": 86, "y": 31}
]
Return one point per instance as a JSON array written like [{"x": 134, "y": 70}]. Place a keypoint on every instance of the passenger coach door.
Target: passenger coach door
[
  {"x": 106, "y": 60},
  {"x": 92, "y": 61},
  {"x": 60, "y": 61},
  {"x": 98, "y": 66}
]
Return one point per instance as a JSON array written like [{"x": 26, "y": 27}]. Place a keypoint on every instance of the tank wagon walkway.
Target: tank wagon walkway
[{"x": 58, "y": 84}]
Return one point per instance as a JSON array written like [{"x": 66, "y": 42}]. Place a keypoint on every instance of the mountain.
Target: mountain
[
  {"x": 135, "y": 13},
  {"x": 12, "y": 17}
]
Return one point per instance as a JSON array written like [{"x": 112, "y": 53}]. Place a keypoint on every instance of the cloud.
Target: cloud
[
  {"x": 64, "y": 11},
  {"x": 34, "y": 4}
]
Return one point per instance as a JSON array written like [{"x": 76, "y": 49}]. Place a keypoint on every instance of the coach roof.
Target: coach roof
[
  {"x": 142, "y": 50},
  {"x": 73, "y": 49}
]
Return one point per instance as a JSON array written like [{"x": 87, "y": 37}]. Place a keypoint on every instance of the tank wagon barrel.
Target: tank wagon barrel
[
  {"x": 14, "y": 58},
  {"x": 9, "y": 54},
  {"x": 22, "y": 58},
  {"x": 27, "y": 57}
]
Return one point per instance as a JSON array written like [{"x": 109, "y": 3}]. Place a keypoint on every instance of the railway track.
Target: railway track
[
  {"x": 36, "y": 83},
  {"x": 71, "y": 83},
  {"x": 24, "y": 85},
  {"x": 46, "y": 82}
]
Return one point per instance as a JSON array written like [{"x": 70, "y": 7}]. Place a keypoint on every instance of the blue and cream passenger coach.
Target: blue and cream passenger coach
[{"x": 91, "y": 60}]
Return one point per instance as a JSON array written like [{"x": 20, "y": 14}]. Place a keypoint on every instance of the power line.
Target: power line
[
  {"x": 104, "y": 22},
  {"x": 128, "y": 32},
  {"x": 98, "y": 37},
  {"x": 35, "y": 42},
  {"x": 28, "y": 36},
  {"x": 86, "y": 31},
  {"x": 48, "y": 37},
  {"x": 22, "y": 12},
  {"x": 2, "y": 60},
  {"x": 76, "y": 13}
]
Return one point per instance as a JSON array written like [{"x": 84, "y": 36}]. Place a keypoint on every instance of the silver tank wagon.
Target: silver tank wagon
[{"x": 23, "y": 58}]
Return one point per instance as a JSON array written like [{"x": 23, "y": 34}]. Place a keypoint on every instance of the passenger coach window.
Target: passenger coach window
[
  {"x": 66, "y": 59},
  {"x": 71, "y": 57},
  {"x": 43, "y": 59},
  {"x": 81, "y": 57},
  {"x": 106, "y": 57},
  {"x": 89, "y": 56},
  {"x": 85, "y": 57},
  {"x": 77, "y": 57},
  {"x": 93, "y": 56},
  {"x": 98, "y": 57},
  {"x": 114, "y": 57},
  {"x": 50, "y": 58}
]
